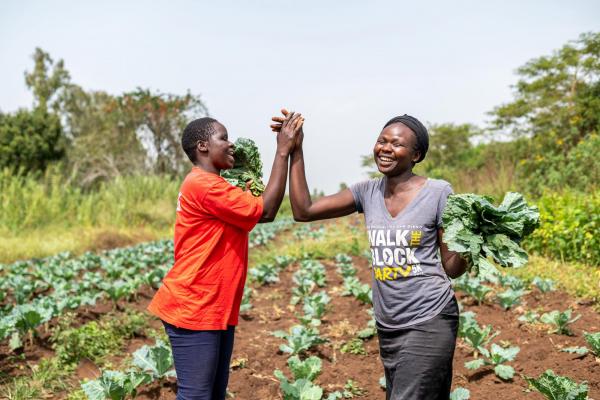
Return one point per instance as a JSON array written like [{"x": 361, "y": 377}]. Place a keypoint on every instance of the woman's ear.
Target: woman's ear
[{"x": 416, "y": 156}]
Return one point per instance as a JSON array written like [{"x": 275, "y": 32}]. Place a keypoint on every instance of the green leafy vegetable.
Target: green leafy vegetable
[
  {"x": 593, "y": 339},
  {"x": 556, "y": 387},
  {"x": 247, "y": 167},
  {"x": 479, "y": 231}
]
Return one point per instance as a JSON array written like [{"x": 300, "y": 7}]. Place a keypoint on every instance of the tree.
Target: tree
[
  {"x": 30, "y": 140},
  {"x": 104, "y": 140},
  {"x": 47, "y": 79},
  {"x": 163, "y": 116},
  {"x": 557, "y": 105}
]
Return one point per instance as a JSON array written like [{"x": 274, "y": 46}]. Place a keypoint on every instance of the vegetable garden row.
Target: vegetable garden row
[{"x": 307, "y": 330}]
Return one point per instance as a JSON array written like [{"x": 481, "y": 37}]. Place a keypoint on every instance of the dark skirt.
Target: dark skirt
[{"x": 418, "y": 359}]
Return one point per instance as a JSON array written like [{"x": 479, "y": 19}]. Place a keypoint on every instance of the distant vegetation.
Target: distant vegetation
[{"x": 83, "y": 166}]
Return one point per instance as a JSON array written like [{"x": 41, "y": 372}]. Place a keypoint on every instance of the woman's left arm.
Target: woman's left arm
[{"x": 453, "y": 263}]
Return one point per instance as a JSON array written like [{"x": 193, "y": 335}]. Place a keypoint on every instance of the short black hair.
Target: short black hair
[{"x": 199, "y": 130}]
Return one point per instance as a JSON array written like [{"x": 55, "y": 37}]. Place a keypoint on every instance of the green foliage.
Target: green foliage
[
  {"x": 96, "y": 339},
  {"x": 30, "y": 140},
  {"x": 556, "y": 387},
  {"x": 315, "y": 306},
  {"x": 477, "y": 338},
  {"x": 157, "y": 360},
  {"x": 510, "y": 298},
  {"x": 460, "y": 394},
  {"x": 247, "y": 167},
  {"x": 576, "y": 350},
  {"x": 264, "y": 274},
  {"x": 245, "y": 305},
  {"x": 114, "y": 385},
  {"x": 556, "y": 105},
  {"x": 308, "y": 369},
  {"x": 361, "y": 291},
  {"x": 560, "y": 320},
  {"x": 530, "y": 317},
  {"x": 47, "y": 86},
  {"x": 569, "y": 225},
  {"x": 544, "y": 285},
  {"x": 352, "y": 390},
  {"x": 466, "y": 320},
  {"x": 473, "y": 287},
  {"x": 497, "y": 357},
  {"x": 478, "y": 230},
  {"x": 30, "y": 203},
  {"x": 593, "y": 340},
  {"x": 371, "y": 329},
  {"x": 299, "y": 339},
  {"x": 301, "y": 389},
  {"x": 313, "y": 270},
  {"x": 354, "y": 346}
]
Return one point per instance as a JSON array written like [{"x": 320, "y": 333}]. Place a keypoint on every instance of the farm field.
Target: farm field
[{"x": 322, "y": 268}]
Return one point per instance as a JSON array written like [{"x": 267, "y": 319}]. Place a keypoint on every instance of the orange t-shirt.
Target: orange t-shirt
[{"x": 203, "y": 290}]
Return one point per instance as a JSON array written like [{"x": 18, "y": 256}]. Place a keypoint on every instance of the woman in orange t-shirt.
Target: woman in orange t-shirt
[{"x": 200, "y": 297}]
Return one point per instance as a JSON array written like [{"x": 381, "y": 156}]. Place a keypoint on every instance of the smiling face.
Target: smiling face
[
  {"x": 219, "y": 148},
  {"x": 394, "y": 151}
]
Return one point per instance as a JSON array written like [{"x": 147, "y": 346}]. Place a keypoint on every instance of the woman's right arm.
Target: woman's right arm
[{"x": 303, "y": 208}]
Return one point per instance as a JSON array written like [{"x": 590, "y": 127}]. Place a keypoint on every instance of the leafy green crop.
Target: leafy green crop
[
  {"x": 593, "y": 339},
  {"x": 157, "y": 360},
  {"x": 560, "y": 321},
  {"x": 510, "y": 298},
  {"x": 496, "y": 356},
  {"x": 556, "y": 387},
  {"x": 478, "y": 230},
  {"x": 115, "y": 385},
  {"x": 247, "y": 166},
  {"x": 299, "y": 338},
  {"x": 460, "y": 393}
]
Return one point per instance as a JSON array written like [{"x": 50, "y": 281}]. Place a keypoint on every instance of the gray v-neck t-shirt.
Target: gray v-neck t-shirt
[{"x": 409, "y": 283}]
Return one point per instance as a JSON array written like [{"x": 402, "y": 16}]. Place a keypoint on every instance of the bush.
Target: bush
[
  {"x": 30, "y": 140},
  {"x": 569, "y": 226}
]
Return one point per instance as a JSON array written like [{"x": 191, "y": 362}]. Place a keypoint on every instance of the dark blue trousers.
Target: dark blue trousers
[{"x": 201, "y": 362}]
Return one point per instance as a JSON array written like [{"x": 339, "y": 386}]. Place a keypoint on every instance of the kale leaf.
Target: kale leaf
[
  {"x": 247, "y": 166},
  {"x": 481, "y": 232}
]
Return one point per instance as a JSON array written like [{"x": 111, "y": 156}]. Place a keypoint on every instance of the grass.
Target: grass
[
  {"x": 42, "y": 216},
  {"x": 51, "y": 240}
]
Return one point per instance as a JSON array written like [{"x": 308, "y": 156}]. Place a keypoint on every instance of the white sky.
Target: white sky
[{"x": 347, "y": 66}]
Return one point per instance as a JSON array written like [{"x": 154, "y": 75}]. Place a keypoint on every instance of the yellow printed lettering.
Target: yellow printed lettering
[
  {"x": 387, "y": 274},
  {"x": 378, "y": 274},
  {"x": 405, "y": 271}
]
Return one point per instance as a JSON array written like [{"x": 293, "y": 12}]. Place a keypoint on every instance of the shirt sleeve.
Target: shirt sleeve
[
  {"x": 358, "y": 192},
  {"x": 233, "y": 205},
  {"x": 444, "y": 193}
]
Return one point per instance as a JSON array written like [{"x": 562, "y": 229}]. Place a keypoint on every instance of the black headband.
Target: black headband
[{"x": 418, "y": 129}]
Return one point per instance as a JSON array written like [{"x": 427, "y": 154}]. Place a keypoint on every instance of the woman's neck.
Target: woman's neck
[
  {"x": 403, "y": 182},
  {"x": 206, "y": 167}
]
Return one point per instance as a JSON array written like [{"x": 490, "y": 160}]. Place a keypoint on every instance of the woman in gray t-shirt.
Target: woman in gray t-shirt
[{"x": 414, "y": 304}]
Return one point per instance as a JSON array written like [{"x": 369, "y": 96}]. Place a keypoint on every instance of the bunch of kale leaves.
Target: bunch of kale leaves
[
  {"x": 481, "y": 232},
  {"x": 247, "y": 167}
]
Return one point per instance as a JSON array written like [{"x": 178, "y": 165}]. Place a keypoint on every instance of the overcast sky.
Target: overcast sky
[{"x": 347, "y": 66}]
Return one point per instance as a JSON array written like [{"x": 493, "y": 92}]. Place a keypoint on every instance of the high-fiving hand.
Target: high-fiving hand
[{"x": 287, "y": 122}]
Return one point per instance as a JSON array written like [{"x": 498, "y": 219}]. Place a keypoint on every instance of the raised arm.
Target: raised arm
[
  {"x": 303, "y": 208},
  {"x": 275, "y": 189}
]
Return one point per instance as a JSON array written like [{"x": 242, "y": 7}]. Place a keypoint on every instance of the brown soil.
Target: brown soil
[{"x": 256, "y": 353}]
